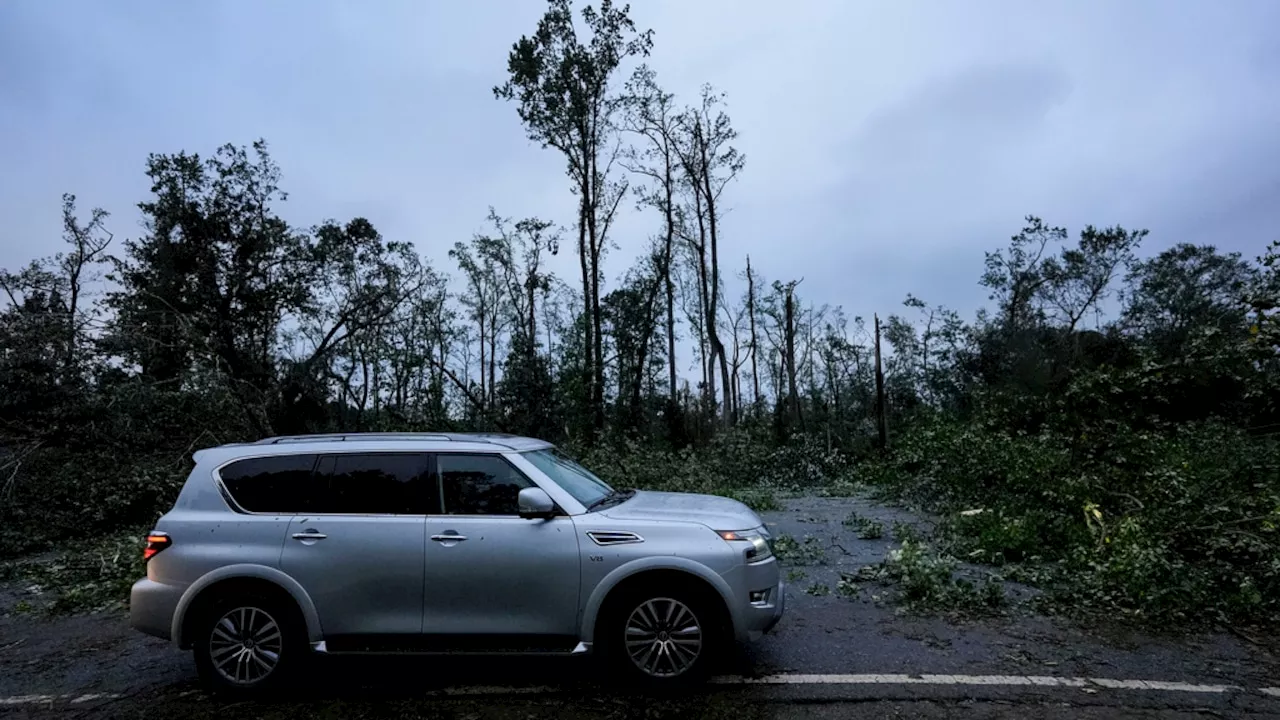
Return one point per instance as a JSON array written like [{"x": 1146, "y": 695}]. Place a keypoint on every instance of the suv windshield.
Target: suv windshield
[{"x": 576, "y": 480}]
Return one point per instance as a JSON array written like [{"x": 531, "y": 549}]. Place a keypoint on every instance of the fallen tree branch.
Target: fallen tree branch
[
  {"x": 6, "y": 491},
  {"x": 476, "y": 402}
]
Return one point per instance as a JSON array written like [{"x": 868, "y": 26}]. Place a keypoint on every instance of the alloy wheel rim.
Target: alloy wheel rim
[
  {"x": 663, "y": 637},
  {"x": 245, "y": 645}
]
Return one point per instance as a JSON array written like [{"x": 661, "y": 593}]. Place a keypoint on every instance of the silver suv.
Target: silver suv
[{"x": 445, "y": 543}]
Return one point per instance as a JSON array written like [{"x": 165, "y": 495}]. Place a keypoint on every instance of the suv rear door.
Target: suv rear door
[
  {"x": 266, "y": 491},
  {"x": 357, "y": 548},
  {"x": 496, "y": 581}
]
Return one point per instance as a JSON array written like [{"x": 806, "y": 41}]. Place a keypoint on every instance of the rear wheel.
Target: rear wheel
[
  {"x": 247, "y": 644},
  {"x": 663, "y": 638}
]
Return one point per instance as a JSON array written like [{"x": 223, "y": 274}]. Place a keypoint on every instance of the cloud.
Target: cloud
[
  {"x": 962, "y": 121},
  {"x": 888, "y": 144}
]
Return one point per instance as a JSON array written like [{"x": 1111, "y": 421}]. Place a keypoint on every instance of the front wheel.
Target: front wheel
[{"x": 663, "y": 638}]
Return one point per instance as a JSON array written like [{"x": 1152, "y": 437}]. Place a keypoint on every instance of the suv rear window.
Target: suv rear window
[
  {"x": 375, "y": 484},
  {"x": 270, "y": 484}
]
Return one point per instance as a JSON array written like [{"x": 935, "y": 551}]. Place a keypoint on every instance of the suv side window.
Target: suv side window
[
  {"x": 279, "y": 484},
  {"x": 479, "y": 484},
  {"x": 375, "y": 484}
]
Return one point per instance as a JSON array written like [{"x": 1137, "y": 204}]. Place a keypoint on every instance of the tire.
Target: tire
[
  {"x": 684, "y": 629},
  {"x": 248, "y": 644}
]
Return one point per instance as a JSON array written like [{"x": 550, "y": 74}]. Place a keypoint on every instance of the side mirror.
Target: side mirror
[{"x": 535, "y": 503}]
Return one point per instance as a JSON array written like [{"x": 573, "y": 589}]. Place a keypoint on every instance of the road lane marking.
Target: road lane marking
[
  {"x": 95, "y": 696},
  {"x": 26, "y": 699},
  {"x": 1042, "y": 681},
  {"x": 72, "y": 698},
  {"x": 987, "y": 680}
]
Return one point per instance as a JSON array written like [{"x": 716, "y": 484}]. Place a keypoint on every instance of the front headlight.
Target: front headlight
[{"x": 757, "y": 541}]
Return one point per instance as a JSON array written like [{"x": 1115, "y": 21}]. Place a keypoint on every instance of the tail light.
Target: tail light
[{"x": 156, "y": 541}]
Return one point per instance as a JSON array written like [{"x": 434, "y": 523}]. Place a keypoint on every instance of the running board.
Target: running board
[{"x": 449, "y": 645}]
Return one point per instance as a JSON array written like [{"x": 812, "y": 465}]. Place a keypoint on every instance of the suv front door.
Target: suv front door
[
  {"x": 358, "y": 548},
  {"x": 496, "y": 581}
]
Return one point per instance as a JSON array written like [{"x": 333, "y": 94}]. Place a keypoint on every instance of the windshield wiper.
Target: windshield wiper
[{"x": 612, "y": 498}]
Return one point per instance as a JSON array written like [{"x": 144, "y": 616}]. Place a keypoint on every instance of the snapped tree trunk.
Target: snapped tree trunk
[
  {"x": 642, "y": 353},
  {"x": 593, "y": 236},
  {"x": 717, "y": 346},
  {"x": 493, "y": 359},
  {"x": 668, "y": 257},
  {"x": 584, "y": 259},
  {"x": 881, "y": 410},
  {"x": 671, "y": 335},
  {"x": 790, "y": 359},
  {"x": 533, "y": 317},
  {"x": 484, "y": 395},
  {"x": 751, "y": 313},
  {"x": 704, "y": 304}
]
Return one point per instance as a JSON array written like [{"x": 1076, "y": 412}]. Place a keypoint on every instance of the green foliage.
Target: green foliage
[
  {"x": 1186, "y": 292},
  {"x": 93, "y": 575},
  {"x": 927, "y": 581},
  {"x": 790, "y": 551},
  {"x": 123, "y": 469},
  {"x": 867, "y": 528},
  {"x": 526, "y": 398},
  {"x": 817, "y": 590},
  {"x": 847, "y": 587},
  {"x": 61, "y": 494},
  {"x": 904, "y": 532},
  {"x": 1179, "y": 525},
  {"x": 1113, "y": 468},
  {"x": 757, "y": 499},
  {"x": 736, "y": 464}
]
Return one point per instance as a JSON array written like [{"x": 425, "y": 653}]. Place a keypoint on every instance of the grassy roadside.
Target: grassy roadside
[
  {"x": 1172, "y": 529},
  {"x": 84, "y": 576}
]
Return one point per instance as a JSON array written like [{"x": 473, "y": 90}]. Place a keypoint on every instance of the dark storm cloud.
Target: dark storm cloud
[{"x": 888, "y": 144}]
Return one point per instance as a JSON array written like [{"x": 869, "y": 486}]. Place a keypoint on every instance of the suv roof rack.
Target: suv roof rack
[
  {"x": 502, "y": 439},
  {"x": 353, "y": 437}
]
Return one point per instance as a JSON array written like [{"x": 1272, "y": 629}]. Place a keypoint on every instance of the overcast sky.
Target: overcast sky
[{"x": 888, "y": 143}]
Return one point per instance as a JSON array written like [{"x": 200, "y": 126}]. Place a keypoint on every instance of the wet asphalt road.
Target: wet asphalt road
[{"x": 46, "y": 665}]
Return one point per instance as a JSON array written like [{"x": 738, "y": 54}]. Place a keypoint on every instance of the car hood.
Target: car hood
[{"x": 718, "y": 513}]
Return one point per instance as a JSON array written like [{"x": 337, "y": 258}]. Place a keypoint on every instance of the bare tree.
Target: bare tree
[
  {"x": 754, "y": 346},
  {"x": 653, "y": 116},
  {"x": 517, "y": 253},
  {"x": 88, "y": 245},
  {"x": 61, "y": 280},
  {"x": 710, "y": 162},
  {"x": 790, "y": 359},
  {"x": 735, "y": 318},
  {"x": 485, "y": 297}
]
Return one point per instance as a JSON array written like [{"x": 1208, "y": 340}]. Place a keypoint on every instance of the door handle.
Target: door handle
[
  {"x": 448, "y": 537},
  {"x": 309, "y": 535}
]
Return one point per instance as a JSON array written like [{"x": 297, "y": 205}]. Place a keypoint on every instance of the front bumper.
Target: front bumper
[
  {"x": 759, "y": 618},
  {"x": 779, "y": 607}
]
